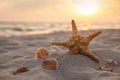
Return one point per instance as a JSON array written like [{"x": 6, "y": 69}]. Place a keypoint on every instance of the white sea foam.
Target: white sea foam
[{"x": 15, "y": 28}]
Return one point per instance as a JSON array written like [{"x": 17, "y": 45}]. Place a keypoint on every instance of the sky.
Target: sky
[{"x": 59, "y": 10}]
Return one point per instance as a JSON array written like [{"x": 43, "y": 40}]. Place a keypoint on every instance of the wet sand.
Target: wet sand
[{"x": 19, "y": 51}]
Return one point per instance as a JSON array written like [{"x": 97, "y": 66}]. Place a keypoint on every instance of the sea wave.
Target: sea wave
[{"x": 16, "y": 29}]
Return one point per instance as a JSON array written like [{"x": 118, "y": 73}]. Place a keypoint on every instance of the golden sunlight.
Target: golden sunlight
[{"x": 87, "y": 7}]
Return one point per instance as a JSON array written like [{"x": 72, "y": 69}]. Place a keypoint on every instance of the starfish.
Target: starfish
[{"x": 78, "y": 44}]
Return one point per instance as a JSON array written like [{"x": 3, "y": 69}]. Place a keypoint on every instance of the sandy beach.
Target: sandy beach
[{"x": 19, "y": 51}]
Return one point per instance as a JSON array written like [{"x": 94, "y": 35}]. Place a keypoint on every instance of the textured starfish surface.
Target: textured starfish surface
[{"x": 78, "y": 44}]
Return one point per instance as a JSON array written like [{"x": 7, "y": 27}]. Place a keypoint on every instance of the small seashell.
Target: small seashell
[
  {"x": 112, "y": 62},
  {"x": 21, "y": 70},
  {"x": 51, "y": 64},
  {"x": 109, "y": 66},
  {"x": 42, "y": 52}
]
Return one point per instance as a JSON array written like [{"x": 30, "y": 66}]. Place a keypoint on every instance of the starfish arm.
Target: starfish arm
[
  {"x": 91, "y": 55},
  {"x": 59, "y": 43},
  {"x": 90, "y": 37},
  {"x": 74, "y": 29}
]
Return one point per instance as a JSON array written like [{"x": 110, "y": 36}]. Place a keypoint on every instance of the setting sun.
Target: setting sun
[{"x": 87, "y": 7}]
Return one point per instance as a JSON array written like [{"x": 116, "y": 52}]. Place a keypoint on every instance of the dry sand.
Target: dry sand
[{"x": 16, "y": 52}]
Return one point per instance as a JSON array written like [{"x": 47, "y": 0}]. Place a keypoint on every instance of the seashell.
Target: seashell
[
  {"x": 42, "y": 52},
  {"x": 51, "y": 64},
  {"x": 109, "y": 66},
  {"x": 112, "y": 63},
  {"x": 21, "y": 70}
]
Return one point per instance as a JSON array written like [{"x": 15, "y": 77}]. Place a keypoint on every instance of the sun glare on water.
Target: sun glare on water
[{"x": 87, "y": 7}]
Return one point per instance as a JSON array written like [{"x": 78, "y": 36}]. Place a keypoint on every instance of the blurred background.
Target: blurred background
[{"x": 23, "y": 17}]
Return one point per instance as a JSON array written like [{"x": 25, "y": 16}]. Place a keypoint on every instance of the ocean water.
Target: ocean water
[{"x": 26, "y": 28}]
